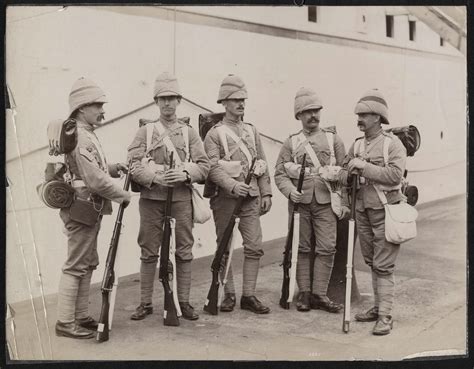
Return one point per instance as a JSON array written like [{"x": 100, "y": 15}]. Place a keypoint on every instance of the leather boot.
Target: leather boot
[
  {"x": 88, "y": 323},
  {"x": 370, "y": 315},
  {"x": 73, "y": 330},
  {"x": 303, "y": 302},
  {"x": 324, "y": 303},
  {"x": 228, "y": 303},
  {"x": 142, "y": 311},
  {"x": 383, "y": 326},
  {"x": 253, "y": 304},
  {"x": 188, "y": 311}
]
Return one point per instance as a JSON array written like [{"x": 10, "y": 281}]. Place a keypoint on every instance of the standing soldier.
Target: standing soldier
[
  {"x": 366, "y": 158},
  {"x": 316, "y": 214},
  {"x": 150, "y": 152},
  {"x": 93, "y": 191},
  {"x": 231, "y": 144}
]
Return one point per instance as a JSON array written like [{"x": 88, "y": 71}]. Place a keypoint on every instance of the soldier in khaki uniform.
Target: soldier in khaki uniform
[
  {"x": 366, "y": 157},
  {"x": 92, "y": 182},
  {"x": 230, "y": 142},
  {"x": 316, "y": 213},
  {"x": 151, "y": 171}
]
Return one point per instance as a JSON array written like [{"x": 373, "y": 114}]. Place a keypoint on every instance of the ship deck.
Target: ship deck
[{"x": 429, "y": 316}]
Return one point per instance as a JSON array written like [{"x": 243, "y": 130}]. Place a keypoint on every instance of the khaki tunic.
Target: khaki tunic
[
  {"x": 223, "y": 200},
  {"x": 153, "y": 196},
  {"x": 87, "y": 163}
]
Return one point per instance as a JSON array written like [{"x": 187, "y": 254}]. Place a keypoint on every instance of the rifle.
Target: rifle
[
  {"x": 170, "y": 313},
  {"x": 290, "y": 257},
  {"x": 350, "y": 258},
  {"x": 109, "y": 285},
  {"x": 212, "y": 297}
]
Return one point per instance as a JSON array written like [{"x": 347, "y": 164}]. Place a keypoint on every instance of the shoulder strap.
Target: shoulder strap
[
  {"x": 299, "y": 140},
  {"x": 381, "y": 194},
  {"x": 296, "y": 141},
  {"x": 185, "y": 131},
  {"x": 149, "y": 136},
  {"x": 251, "y": 133},
  {"x": 223, "y": 140},
  {"x": 167, "y": 142},
  {"x": 226, "y": 131},
  {"x": 330, "y": 137},
  {"x": 359, "y": 147}
]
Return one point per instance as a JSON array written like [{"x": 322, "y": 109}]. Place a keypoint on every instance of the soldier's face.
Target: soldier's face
[
  {"x": 93, "y": 114},
  {"x": 310, "y": 119},
  {"x": 368, "y": 122},
  {"x": 235, "y": 107},
  {"x": 168, "y": 105}
]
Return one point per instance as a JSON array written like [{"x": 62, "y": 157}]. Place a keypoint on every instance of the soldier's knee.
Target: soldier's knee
[
  {"x": 382, "y": 270},
  {"x": 252, "y": 253},
  {"x": 184, "y": 258},
  {"x": 149, "y": 259}
]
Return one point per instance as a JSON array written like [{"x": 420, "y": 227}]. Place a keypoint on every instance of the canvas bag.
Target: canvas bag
[
  {"x": 400, "y": 219},
  {"x": 201, "y": 211}
]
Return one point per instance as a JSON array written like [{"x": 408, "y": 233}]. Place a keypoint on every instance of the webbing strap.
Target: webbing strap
[{"x": 225, "y": 131}]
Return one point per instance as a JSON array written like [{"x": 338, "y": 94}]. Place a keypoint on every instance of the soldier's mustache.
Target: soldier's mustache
[{"x": 314, "y": 120}]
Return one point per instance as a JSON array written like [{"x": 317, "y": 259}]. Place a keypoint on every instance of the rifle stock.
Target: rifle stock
[
  {"x": 213, "y": 295},
  {"x": 285, "y": 287},
  {"x": 108, "y": 281},
  {"x": 170, "y": 313}
]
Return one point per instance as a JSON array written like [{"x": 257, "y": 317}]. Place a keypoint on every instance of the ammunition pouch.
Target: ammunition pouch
[{"x": 86, "y": 212}]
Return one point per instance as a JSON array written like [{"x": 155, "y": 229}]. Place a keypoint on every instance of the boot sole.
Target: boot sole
[
  {"x": 141, "y": 317},
  {"x": 226, "y": 310},
  {"x": 191, "y": 318},
  {"x": 62, "y": 334},
  {"x": 366, "y": 320},
  {"x": 327, "y": 310},
  {"x": 304, "y": 310},
  {"x": 255, "y": 311}
]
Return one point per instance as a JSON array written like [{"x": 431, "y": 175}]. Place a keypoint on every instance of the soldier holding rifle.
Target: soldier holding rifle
[
  {"x": 150, "y": 153},
  {"x": 94, "y": 188},
  {"x": 231, "y": 145},
  {"x": 324, "y": 149},
  {"x": 366, "y": 158}
]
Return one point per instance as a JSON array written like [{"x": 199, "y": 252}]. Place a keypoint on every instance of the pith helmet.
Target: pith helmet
[
  {"x": 166, "y": 84},
  {"x": 232, "y": 87},
  {"x": 306, "y": 99},
  {"x": 83, "y": 92},
  {"x": 373, "y": 102}
]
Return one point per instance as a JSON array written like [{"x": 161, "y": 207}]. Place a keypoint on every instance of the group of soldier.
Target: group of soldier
[{"x": 223, "y": 161}]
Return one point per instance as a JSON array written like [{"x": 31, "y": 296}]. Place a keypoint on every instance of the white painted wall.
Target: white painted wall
[{"x": 47, "y": 53}]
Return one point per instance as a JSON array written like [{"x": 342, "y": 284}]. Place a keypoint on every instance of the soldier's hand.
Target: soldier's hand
[
  {"x": 241, "y": 189},
  {"x": 126, "y": 200},
  {"x": 159, "y": 178},
  {"x": 346, "y": 212},
  {"x": 175, "y": 176},
  {"x": 296, "y": 196},
  {"x": 356, "y": 165},
  {"x": 122, "y": 167},
  {"x": 265, "y": 205}
]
